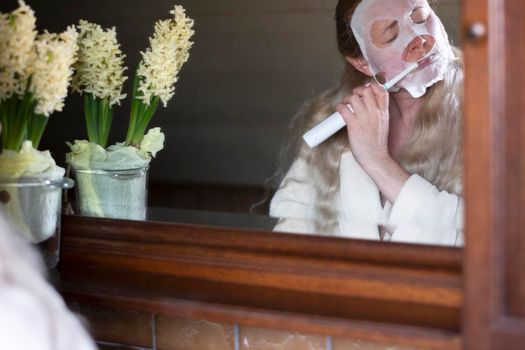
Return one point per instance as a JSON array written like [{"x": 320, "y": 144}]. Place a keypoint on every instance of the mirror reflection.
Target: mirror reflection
[
  {"x": 394, "y": 171},
  {"x": 261, "y": 75}
]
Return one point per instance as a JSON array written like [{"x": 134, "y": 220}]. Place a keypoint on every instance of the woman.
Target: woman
[{"x": 395, "y": 172}]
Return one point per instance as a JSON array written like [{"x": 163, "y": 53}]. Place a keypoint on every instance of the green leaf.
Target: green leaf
[
  {"x": 15, "y": 116},
  {"x": 88, "y": 114},
  {"x": 135, "y": 108},
  {"x": 144, "y": 120},
  {"x": 105, "y": 120},
  {"x": 35, "y": 129}
]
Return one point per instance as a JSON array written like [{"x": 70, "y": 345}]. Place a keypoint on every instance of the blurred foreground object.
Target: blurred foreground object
[{"x": 32, "y": 314}]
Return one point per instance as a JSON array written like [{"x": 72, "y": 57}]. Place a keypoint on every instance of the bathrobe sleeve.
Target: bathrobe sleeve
[
  {"x": 423, "y": 214},
  {"x": 294, "y": 202}
]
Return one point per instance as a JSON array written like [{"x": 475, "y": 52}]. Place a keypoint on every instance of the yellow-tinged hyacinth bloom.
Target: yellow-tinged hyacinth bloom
[
  {"x": 162, "y": 61},
  {"x": 17, "y": 36},
  {"x": 51, "y": 70},
  {"x": 100, "y": 64}
]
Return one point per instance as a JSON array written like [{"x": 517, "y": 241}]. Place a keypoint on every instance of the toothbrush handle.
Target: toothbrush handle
[
  {"x": 322, "y": 131},
  {"x": 389, "y": 84}
]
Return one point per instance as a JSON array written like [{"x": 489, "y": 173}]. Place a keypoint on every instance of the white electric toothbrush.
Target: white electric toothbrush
[{"x": 322, "y": 131}]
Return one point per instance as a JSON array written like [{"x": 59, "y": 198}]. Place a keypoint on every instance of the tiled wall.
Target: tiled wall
[{"x": 117, "y": 329}]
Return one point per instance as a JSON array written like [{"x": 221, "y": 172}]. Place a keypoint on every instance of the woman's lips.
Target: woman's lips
[{"x": 425, "y": 62}]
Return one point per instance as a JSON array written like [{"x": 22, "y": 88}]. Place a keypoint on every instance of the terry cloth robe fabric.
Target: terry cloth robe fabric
[
  {"x": 33, "y": 316},
  {"x": 421, "y": 213}
]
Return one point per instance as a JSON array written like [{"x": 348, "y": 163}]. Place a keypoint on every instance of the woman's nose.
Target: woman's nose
[{"x": 418, "y": 48}]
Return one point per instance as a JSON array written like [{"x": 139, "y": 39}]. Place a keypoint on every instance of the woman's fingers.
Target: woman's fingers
[
  {"x": 347, "y": 114},
  {"x": 364, "y": 100},
  {"x": 359, "y": 90},
  {"x": 368, "y": 93},
  {"x": 369, "y": 98},
  {"x": 368, "y": 125},
  {"x": 381, "y": 96},
  {"x": 346, "y": 99},
  {"x": 358, "y": 105}
]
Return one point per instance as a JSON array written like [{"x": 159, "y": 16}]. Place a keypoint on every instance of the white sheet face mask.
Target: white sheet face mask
[{"x": 394, "y": 33}]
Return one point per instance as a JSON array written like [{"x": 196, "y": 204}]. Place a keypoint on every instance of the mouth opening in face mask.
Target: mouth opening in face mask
[{"x": 415, "y": 68}]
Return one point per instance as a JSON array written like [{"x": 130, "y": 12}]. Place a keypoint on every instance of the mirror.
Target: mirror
[{"x": 252, "y": 67}]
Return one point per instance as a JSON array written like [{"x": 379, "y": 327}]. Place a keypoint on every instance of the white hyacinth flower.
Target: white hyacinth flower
[
  {"x": 100, "y": 65},
  {"x": 162, "y": 61},
  {"x": 17, "y": 35},
  {"x": 51, "y": 70}
]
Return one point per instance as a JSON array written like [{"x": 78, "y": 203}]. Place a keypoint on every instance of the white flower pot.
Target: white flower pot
[{"x": 118, "y": 194}]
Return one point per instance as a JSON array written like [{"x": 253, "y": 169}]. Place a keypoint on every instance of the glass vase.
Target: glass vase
[
  {"x": 117, "y": 194},
  {"x": 33, "y": 206}
]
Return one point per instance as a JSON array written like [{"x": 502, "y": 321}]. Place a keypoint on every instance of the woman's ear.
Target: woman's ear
[{"x": 360, "y": 64}]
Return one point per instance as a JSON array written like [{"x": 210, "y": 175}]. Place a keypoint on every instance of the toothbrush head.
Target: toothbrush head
[
  {"x": 432, "y": 58},
  {"x": 426, "y": 61}
]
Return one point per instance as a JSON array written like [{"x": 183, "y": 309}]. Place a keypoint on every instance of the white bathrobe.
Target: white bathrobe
[
  {"x": 421, "y": 213},
  {"x": 33, "y": 315}
]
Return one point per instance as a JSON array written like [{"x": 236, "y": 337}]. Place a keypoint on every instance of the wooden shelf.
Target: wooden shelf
[{"x": 341, "y": 287}]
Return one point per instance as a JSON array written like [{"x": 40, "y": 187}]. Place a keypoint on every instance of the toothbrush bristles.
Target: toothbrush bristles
[{"x": 425, "y": 61}]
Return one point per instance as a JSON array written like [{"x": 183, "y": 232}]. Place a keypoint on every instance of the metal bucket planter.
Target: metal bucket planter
[
  {"x": 33, "y": 206},
  {"x": 118, "y": 194}
]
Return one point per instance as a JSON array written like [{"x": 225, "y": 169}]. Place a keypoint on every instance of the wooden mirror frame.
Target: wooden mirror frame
[{"x": 432, "y": 297}]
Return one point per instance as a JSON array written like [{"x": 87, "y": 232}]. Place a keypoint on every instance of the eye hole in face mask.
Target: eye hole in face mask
[
  {"x": 420, "y": 15},
  {"x": 384, "y": 32}
]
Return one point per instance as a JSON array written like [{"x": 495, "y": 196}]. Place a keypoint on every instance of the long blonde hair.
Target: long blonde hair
[{"x": 433, "y": 151}]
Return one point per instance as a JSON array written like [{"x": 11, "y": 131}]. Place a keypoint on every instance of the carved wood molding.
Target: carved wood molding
[{"x": 380, "y": 292}]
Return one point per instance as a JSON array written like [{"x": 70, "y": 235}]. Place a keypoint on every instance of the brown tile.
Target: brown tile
[
  {"x": 252, "y": 338},
  {"x": 127, "y": 327},
  {"x": 184, "y": 334},
  {"x": 353, "y": 344},
  {"x": 111, "y": 346}
]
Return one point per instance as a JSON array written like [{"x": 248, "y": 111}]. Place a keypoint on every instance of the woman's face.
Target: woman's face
[{"x": 394, "y": 33}]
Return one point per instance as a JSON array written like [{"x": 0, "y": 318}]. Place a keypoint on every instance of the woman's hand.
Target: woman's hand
[
  {"x": 368, "y": 134},
  {"x": 368, "y": 125}
]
